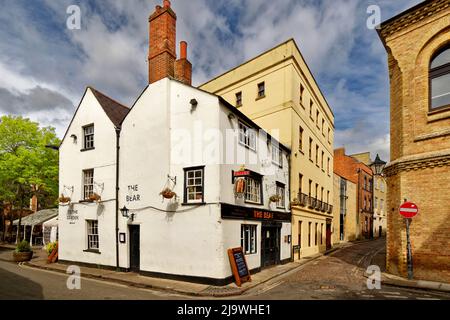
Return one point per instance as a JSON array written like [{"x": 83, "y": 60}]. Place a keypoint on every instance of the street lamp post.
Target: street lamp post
[{"x": 377, "y": 167}]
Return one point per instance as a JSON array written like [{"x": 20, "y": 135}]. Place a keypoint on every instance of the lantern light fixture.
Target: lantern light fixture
[
  {"x": 378, "y": 166},
  {"x": 126, "y": 213}
]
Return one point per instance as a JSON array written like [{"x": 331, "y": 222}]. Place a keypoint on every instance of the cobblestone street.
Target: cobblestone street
[{"x": 340, "y": 275}]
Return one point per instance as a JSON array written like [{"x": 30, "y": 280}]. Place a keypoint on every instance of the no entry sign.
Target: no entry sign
[{"x": 409, "y": 210}]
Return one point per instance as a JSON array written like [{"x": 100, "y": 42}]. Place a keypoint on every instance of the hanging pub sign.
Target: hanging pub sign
[
  {"x": 239, "y": 266},
  {"x": 239, "y": 187}
]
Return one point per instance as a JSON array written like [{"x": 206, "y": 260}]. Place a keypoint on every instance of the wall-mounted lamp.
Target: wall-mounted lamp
[
  {"x": 194, "y": 104},
  {"x": 126, "y": 213},
  {"x": 74, "y": 137}
]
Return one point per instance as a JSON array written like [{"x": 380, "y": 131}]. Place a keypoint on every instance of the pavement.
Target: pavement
[
  {"x": 379, "y": 259},
  {"x": 338, "y": 273},
  {"x": 39, "y": 261}
]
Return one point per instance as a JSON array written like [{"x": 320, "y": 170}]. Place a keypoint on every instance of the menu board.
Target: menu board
[{"x": 239, "y": 266}]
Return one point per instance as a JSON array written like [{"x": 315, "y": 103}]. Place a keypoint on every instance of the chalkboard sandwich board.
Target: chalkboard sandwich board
[{"x": 239, "y": 266}]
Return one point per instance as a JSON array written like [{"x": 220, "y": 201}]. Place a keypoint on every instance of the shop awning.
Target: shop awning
[{"x": 38, "y": 218}]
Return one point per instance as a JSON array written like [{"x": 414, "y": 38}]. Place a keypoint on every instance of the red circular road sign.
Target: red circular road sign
[{"x": 409, "y": 210}]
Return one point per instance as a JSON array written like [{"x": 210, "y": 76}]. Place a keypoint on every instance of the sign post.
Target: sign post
[{"x": 409, "y": 210}]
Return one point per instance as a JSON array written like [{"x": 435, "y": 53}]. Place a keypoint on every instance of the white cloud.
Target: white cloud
[{"x": 110, "y": 51}]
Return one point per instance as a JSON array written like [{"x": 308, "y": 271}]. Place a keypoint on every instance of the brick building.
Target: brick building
[
  {"x": 418, "y": 45},
  {"x": 379, "y": 195},
  {"x": 360, "y": 174}
]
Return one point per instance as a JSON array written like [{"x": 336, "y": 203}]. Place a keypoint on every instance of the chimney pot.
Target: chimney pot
[
  {"x": 183, "y": 50},
  {"x": 166, "y": 4}
]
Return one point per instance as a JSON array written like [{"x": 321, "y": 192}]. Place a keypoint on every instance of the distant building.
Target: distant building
[
  {"x": 278, "y": 91},
  {"x": 418, "y": 45},
  {"x": 379, "y": 196},
  {"x": 360, "y": 174},
  {"x": 345, "y": 210}
]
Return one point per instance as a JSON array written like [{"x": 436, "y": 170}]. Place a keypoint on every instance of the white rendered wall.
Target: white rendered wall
[{"x": 72, "y": 233}]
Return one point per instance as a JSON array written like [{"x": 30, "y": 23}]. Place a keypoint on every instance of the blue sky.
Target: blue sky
[{"x": 45, "y": 67}]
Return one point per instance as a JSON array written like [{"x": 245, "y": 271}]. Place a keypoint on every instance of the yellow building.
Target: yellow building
[
  {"x": 278, "y": 91},
  {"x": 417, "y": 42},
  {"x": 379, "y": 197}
]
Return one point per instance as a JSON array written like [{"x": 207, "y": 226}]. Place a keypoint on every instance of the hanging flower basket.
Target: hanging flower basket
[
  {"x": 95, "y": 197},
  {"x": 63, "y": 199},
  {"x": 275, "y": 198},
  {"x": 167, "y": 194}
]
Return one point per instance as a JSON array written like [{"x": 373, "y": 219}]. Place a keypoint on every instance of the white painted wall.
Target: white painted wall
[
  {"x": 194, "y": 240},
  {"x": 161, "y": 136},
  {"x": 72, "y": 237}
]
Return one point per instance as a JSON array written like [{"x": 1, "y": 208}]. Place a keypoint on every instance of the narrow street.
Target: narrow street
[
  {"x": 339, "y": 275},
  {"x": 24, "y": 283}
]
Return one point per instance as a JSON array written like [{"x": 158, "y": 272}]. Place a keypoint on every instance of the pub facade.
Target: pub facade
[{"x": 167, "y": 187}]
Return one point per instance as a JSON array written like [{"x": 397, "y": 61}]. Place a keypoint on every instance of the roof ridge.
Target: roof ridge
[{"x": 107, "y": 97}]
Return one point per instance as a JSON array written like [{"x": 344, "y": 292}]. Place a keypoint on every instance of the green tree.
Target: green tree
[{"x": 27, "y": 167}]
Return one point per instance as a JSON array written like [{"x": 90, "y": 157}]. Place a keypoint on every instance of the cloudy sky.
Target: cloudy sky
[{"x": 45, "y": 67}]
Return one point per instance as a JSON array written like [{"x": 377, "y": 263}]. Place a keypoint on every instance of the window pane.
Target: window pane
[
  {"x": 440, "y": 92},
  {"x": 442, "y": 59}
]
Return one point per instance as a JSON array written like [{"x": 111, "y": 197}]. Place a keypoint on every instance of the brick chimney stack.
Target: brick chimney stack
[
  {"x": 162, "y": 59},
  {"x": 162, "y": 52},
  {"x": 183, "y": 68}
]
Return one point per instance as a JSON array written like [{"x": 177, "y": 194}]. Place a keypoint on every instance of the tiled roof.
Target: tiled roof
[{"x": 115, "y": 111}]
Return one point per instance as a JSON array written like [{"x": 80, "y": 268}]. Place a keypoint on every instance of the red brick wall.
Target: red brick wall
[
  {"x": 162, "y": 44},
  {"x": 352, "y": 170}
]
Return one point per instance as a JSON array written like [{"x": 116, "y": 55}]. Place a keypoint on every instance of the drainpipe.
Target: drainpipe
[{"x": 117, "y": 196}]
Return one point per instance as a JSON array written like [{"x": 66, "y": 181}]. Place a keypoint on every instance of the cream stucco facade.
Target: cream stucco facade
[
  {"x": 278, "y": 91},
  {"x": 345, "y": 210}
]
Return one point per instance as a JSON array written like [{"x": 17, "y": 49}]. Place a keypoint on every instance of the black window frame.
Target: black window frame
[
  {"x": 185, "y": 186},
  {"x": 257, "y": 177}
]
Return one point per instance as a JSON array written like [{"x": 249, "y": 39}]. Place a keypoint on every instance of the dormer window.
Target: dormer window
[{"x": 88, "y": 134}]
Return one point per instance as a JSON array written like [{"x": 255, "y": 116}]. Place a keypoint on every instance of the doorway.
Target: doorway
[
  {"x": 270, "y": 245},
  {"x": 135, "y": 254},
  {"x": 380, "y": 231},
  {"x": 328, "y": 235}
]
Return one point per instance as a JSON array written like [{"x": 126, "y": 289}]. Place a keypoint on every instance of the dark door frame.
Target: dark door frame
[
  {"x": 277, "y": 228},
  {"x": 135, "y": 247}
]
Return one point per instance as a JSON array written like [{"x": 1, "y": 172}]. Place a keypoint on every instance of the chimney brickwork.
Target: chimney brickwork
[{"x": 162, "y": 59}]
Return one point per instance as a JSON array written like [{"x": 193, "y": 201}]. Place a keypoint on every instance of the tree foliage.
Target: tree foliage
[{"x": 27, "y": 167}]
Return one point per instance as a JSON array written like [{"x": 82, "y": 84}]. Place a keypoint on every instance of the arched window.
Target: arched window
[{"x": 440, "y": 79}]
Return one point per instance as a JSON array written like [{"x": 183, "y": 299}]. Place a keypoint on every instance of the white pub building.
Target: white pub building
[{"x": 166, "y": 187}]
